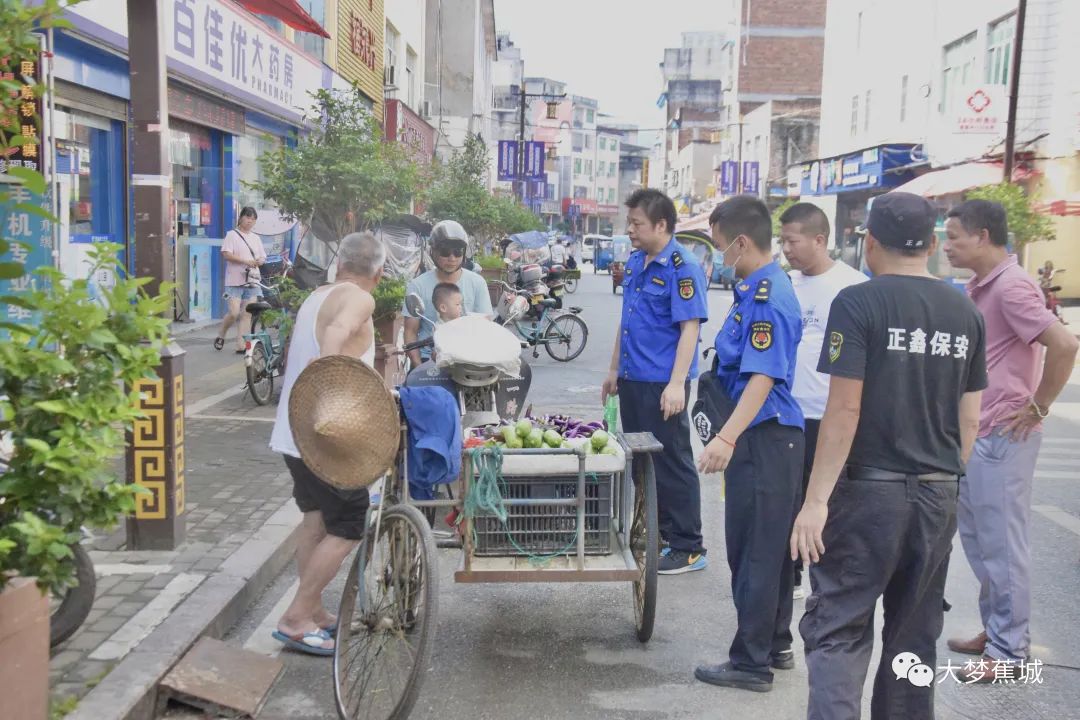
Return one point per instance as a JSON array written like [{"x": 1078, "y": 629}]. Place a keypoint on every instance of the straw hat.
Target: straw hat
[{"x": 344, "y": 421}]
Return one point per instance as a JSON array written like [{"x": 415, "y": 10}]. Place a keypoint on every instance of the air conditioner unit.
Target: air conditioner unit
[{"x": 388, "y": 77}]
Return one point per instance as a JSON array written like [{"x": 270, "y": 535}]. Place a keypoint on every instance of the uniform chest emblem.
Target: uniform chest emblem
[
  {"x": 686, "y": 288},
  {"x": 836, "y": 341},
  {"x": 658, "y": 281},
  {"x": 761, "y": 335}
]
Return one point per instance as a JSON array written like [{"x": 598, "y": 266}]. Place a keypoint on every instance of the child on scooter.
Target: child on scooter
[{"x": 448, "y": 302}]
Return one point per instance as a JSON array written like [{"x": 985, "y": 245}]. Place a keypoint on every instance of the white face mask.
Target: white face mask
[{"x": 728, "y": 271}]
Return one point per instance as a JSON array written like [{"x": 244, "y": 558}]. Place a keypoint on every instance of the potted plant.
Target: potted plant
[
  {"x": 64, "y": 409},
  {"x": 389, "y": 297},
  {"x": 492, "y": 268}
]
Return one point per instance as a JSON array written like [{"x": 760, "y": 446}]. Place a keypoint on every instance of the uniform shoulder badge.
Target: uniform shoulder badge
[
  {"x": 744, "y": 287},
  {"x": 764, "y": 287},
  {"x": 761, "y": 335},
  {"x": 659, "y": 281},
  {"x": 836, "y": 341},
  {"x": 676, "y": 259},
  {"x": 686, "y": 288}
]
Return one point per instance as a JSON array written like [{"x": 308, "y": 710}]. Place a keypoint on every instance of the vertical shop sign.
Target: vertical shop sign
[{"x": 26, "y": 122}]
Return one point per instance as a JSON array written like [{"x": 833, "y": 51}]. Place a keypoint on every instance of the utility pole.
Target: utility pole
[
  {"x": 1014, "y": 91},
  {"x": 519, "y": 176},
  {"x": 738, "y": 163},
  {"x": 155, "y": 446}
]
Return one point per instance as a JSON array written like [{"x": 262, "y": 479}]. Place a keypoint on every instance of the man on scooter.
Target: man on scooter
[{"x": 449, "y": 243}]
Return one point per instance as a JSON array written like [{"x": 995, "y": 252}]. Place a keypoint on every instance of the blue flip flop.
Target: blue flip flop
[
  {"x": 331, "y": 630},
  {"x": 310, "y": 642}
]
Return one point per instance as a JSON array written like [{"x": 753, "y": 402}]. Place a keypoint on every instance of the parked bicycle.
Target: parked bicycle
[
  {"x": 264, "y": 346},
  {"x": 562, "y": 334}
]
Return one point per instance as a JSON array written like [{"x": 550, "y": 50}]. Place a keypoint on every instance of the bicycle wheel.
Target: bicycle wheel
[
  {"x": 386, "y": 622},
  {"x": 645, "y": 546},
  {"x": 571, "y": 285},
  {"x": 565, "y": 337},
  {"x": 259, "y": 376}
]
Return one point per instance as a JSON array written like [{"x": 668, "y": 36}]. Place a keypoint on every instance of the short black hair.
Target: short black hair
[
  {"x": 443, "y": 292},
  {"x": 978, "y": 215},
  {"x": 813, "y": 219},
  {"x": 744, "y": 215},
  {"x": 656, "y": 205},
  {"x": 248, "y": 211}
]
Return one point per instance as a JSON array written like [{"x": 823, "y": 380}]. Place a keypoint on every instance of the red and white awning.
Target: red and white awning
[{"x": 960, "y": 178}]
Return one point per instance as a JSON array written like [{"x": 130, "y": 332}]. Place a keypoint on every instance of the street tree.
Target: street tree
[
  {"x": 341, "y": 176},
  {"x": 1025, "y": 224}
]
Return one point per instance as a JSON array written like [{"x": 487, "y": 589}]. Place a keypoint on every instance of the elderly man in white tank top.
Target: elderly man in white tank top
[{"x": 334, "y": 320}]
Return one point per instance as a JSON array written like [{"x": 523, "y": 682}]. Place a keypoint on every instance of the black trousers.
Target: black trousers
[
  {"x": 678, "y": 488},
  {"x": 888, "y": 539},
  {"x": 811, "y": 433},
  {"x": 762, "y": 494}
]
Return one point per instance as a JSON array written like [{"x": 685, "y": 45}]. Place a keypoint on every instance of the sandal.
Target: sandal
[
  {"x": 312, "y": 643},
  {"x": 219, "y": 343}
]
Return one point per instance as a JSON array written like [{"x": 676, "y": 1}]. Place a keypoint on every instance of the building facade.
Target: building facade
[
  {"x": 359, "y": 57},
  {"x": 237, "y": 88},
  {"x": 949, "y": 104},
  {"x": 460, "y": 52}
]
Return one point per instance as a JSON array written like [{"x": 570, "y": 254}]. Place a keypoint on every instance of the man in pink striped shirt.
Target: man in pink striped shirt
[{"x": 994, "y": 506}]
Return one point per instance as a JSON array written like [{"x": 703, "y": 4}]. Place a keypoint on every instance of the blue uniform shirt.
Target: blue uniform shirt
[
  {"x": 760, "y": 336},
  {"x": 656, "y": 299}
]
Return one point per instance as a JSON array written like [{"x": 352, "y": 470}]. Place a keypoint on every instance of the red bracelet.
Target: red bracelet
[{"x": 725, "y": 440}]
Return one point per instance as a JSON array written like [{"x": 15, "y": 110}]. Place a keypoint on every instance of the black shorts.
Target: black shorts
[{"x": 343, "y": 511}]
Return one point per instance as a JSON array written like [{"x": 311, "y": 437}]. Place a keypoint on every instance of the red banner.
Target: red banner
[{"x": 401, "y": 124}]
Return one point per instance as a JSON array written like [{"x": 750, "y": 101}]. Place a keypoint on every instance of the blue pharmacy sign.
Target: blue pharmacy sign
[
  {"x": 880, "y": 167},
  {"x": 31, "y": 238},
  {"x": 508, "y": 159},
  {"x": 727, "y": 177},
  {"x": 534, "y": 161}
]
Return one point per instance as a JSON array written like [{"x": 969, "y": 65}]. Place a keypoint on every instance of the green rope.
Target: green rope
[{"x": 485, "y": 498}]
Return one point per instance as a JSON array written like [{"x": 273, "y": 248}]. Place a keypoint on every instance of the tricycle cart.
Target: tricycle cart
[
  {"x": 604, "y": 255},
  {"x": 621, "y": 248},
  {"x": 531, "y": 515}
]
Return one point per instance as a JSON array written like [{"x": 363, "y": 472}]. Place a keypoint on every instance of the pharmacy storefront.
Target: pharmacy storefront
[{"x": 236, "y": 90}]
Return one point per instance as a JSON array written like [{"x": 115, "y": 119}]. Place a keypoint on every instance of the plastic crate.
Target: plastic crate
[{"x": 547, "y": 529}]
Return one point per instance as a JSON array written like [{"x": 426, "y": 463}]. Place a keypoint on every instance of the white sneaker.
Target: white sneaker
[{"x": 799, "y": 593}]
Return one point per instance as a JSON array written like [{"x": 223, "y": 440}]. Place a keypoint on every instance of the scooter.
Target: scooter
[
  {"x": 485, "y": 394},
  {"x": 1050, "y": 291}
]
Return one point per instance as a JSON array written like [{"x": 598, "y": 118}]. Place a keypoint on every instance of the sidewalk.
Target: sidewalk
[{"x": 236, "y": 489}]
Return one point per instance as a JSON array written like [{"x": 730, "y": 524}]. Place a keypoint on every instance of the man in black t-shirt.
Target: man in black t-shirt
[{"x": 906, "y": 353}]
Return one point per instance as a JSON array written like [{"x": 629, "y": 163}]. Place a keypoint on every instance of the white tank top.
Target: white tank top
[{"x": 303, "y": 348}]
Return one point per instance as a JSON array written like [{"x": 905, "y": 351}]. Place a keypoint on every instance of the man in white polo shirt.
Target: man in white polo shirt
[{"x": 817, "y": 279}]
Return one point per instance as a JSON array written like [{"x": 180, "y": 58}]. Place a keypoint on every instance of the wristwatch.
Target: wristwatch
[{"x": 1040, "y": 412}]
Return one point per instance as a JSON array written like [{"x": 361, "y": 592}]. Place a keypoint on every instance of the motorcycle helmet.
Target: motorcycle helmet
[{"x": 448, "y": 233}]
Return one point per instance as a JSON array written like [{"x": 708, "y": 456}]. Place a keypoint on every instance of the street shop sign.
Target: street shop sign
[
  {"x": 31, "y": 237},
  {"x": 26, "y": 122},
  {"x": 982, "y": 111},
  {"x": 750, "y": 177}
]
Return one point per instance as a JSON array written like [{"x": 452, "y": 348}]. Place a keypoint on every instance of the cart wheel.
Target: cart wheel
[
  {"x": 386, "y": 622},
  {"x": 645, "y": 545}
]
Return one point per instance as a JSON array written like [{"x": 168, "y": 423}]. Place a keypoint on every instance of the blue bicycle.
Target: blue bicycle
[
  {"x": 264, "y": 346},
  {"x": 563, "y": 334}
]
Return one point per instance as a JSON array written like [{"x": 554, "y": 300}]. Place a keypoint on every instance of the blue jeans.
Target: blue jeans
[{"x": 242, "y": 292}]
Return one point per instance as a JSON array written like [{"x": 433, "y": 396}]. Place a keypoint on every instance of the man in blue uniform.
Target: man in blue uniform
[
  {"x": 753, "y": 433},
  {"x": 654, "y": 360}
]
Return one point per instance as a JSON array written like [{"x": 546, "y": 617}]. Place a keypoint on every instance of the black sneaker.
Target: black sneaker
[
  {"x": 784, "y": 660},
  {"x": 677, "y": 562},
  {"x": 727, "y": 676}
]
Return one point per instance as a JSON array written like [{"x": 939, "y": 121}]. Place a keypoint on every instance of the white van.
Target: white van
[{"x": 588, "y": 246}]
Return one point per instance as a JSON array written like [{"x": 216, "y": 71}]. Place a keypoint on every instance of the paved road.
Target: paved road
[{"x": 505, "y": 652}]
